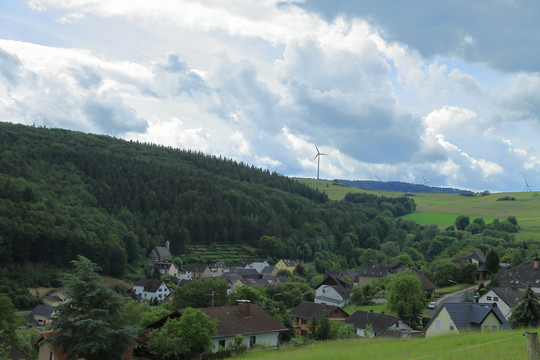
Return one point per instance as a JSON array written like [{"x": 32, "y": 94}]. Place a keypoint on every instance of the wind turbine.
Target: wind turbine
[
  {"x": 527, "y": 186},
  {"x": 318, "y": 157},
  {"x": 426, "y": 182}
]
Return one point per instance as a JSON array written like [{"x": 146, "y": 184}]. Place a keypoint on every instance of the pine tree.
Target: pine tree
[
  {"x": 527, "y": 312},
  {"x": 87, "y": 324}
]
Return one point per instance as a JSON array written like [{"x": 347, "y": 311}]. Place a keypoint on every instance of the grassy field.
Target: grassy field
[
  {"x": 377, "y": 308},
  {"x": 443, "y": 209},
  {"x": 502, "y": 345}
]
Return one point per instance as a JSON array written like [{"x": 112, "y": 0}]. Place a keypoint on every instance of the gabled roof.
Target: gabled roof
[
  {"x": 426, "y": 284},
  {"x": 56, "y": 351},
  {"x": 43, "y": 309},
  {"x": 519, "y": 276},
  {"x": 379, "y": 322},
  {"x": 12, "y": 351},
  {"x": 373, "y": 270},
  {"x": 149, "y": 285},
  {"x": 219, "y": 265},
  {"x": 310, "y": 310},
  {"x": 476, "y": 256},
  {"x": 231, "y": 322},
  {"x": 468, "y": 315},
  {"x": 162, "y": 253},
  {"x": 245, "y": 273},
  {"x": 268, "y": 269},
  {"x": 336, "y": 279},
  {"x": 196, "y": 268},
  {"x": 163, "y": 265}
]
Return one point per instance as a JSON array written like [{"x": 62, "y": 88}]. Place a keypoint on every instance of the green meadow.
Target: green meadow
[
  {"x": 443, "y": 209},
  {"x": 503, "y": 345}
]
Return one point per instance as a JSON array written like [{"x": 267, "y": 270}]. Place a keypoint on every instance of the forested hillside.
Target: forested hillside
[{"x": 64, "y": 193}]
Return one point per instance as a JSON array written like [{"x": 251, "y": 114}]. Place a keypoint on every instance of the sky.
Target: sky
[{"x": 427, "y": 91}]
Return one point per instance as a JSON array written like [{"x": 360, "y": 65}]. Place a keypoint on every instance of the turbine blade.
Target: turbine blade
[{"x": 315, "y": 157}]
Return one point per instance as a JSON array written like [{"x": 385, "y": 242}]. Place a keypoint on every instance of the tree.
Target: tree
[
  {"x": 189, "y": 333},
  {"x": 199, "y": 293},
  {"x": 7, "y": 318},
  {"x": 492, "y": 261},
  {"x": 405, "y": 296},
  {"x": 527, "y": 312},
  {"x": 87, "y": 325},
  {"x": 462, "y": 222}
]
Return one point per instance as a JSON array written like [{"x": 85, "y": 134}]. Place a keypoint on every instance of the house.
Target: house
[
  {"x": 480, "y": 261},
  {"x": 47, "y": 350},
  {"x": 286, "y": 264},
  {"x": 459, "y": 317},
  {"x": 304, "y": 313},
  {"x": 12, "y": 352},
  {"x": 333, "y": 290},
  {"x": 219, "y": 268},
  {"x": 42, "y": 314},
  {"x": 368, "y": 273},
  {"x": 166, "y": 268},
  {"x": 245, "y": 273},
  {"x": 506, "y": 299},
  {"x": 56, "y": 297},
  {"x": 379, "y": 323},
  {"x": 198, "y": 271},
  {"x": 248, "y": 320},
  {"x": 160, "y": 253},
  {"x": 151, "y": 289},
  {"x": 258, "y": 265},
  {"x": 520, "y": 276},
  {"x": 427, "y": 285}
]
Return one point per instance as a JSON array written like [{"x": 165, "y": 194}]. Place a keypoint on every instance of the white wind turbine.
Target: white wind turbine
[{"x": 318, "y": 157}]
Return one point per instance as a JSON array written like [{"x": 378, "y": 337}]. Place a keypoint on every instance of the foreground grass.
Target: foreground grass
[{"x": 502, "y": 345}]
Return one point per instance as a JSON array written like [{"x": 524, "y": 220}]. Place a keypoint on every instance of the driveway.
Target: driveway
[{"x": 452, "y": 297}]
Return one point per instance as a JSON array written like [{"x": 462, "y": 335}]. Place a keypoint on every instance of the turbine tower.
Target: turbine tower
[
  {"x": 527, "y": 186},
  {"x": 318, "y": 157}
]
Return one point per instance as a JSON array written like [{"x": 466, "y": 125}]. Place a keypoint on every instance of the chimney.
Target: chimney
[
  {"x": 167, "y": 244},
  {"x": 244, "y": 308}
]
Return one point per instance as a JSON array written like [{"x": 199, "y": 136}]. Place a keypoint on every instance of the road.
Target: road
[{"x": 452, "y": 297}]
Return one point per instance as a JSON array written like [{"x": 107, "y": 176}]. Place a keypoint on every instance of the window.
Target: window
[
  {"x": 495, "y": 298},
  {"x": 438, "y": 324},
  {"x": 252, "y": 340},
  {"x": 489, "y": 298},
  {"x": 222, "y": 343},
  {"x": 304, "y": 322}
]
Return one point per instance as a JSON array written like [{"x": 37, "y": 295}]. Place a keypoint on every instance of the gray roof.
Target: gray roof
[
  {"x": 373, "y": 270},
  {"x": 196, "y": 268},
  {"x": 379, "y": 322},
  {"x": 310, "y": 310},
  {"x": 43, "y": 309},
  {"x": 519, "y": 276},
  {"x": 509, "y": 296},
  {"x": 12, "y": 351},
  {"x": 149, "y": 285},
  {"x": 161, "y": 253},
  {"x": 477, "y": 256},
  {"x": 470, "y": 315}
]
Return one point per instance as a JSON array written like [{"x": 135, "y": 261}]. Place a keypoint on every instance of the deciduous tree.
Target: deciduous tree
[{"x": 405, "y": 296}]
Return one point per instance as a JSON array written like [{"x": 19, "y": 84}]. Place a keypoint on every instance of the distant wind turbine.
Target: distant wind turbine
[
  {"x": 318, "y": 157},
  {"x": 426, "y": 182},
  {"x": 527, "y": 186},
  {"x": 378, "y": 178}
]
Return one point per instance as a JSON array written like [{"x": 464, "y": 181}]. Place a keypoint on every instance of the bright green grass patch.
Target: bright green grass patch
[
  {"x": 503, "y": 345},
  {"x": 451, "y": 289}
]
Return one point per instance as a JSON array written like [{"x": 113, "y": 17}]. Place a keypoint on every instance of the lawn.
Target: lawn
[
  {"x": 501, "y": 345},
  {"x": 377, "y": 308}
]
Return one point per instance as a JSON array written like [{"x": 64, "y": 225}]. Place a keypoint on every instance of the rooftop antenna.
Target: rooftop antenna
[
  {"x": 527, "y": 186},
  {"x": 318, "y": 157}
]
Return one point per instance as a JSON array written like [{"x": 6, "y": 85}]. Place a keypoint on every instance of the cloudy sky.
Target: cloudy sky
[{"x": 446, "y": 91}]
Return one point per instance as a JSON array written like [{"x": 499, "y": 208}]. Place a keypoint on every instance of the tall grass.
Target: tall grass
[{"x": 495, "y": 345}]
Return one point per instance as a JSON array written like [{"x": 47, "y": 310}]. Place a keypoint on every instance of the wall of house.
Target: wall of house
[
  {"x": 490, "y": 323},
  {"x": 443, "y": 325},
  {"x": 364, "y": 280},
  {"x": 268, "y": 339}
]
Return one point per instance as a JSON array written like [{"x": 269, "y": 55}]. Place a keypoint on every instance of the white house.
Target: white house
[
  {"x": 151, "y": 288},
  {"x": 331, "y": 295},
  {"x": 379, "y": 323},
  {"x": 505, "y": 299}
]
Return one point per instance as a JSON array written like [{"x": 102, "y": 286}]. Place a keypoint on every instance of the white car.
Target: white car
[{"x": 432, "y": 305}]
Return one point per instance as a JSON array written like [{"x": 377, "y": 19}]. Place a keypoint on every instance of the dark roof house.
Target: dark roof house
[
  {"x": 310, "y": 310},
  {"x": 379, "y": 322},
  {"x": 12, "y": 351},
  {"x": 520, "y": 276}
]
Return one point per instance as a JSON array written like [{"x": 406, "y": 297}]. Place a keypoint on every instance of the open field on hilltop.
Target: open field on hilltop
[
  {"x": 502, "y": 345},
  {"x": 442, "y": 209}
]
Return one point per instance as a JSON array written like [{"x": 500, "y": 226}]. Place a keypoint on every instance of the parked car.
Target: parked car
[{"x": 432, "y": 305}]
